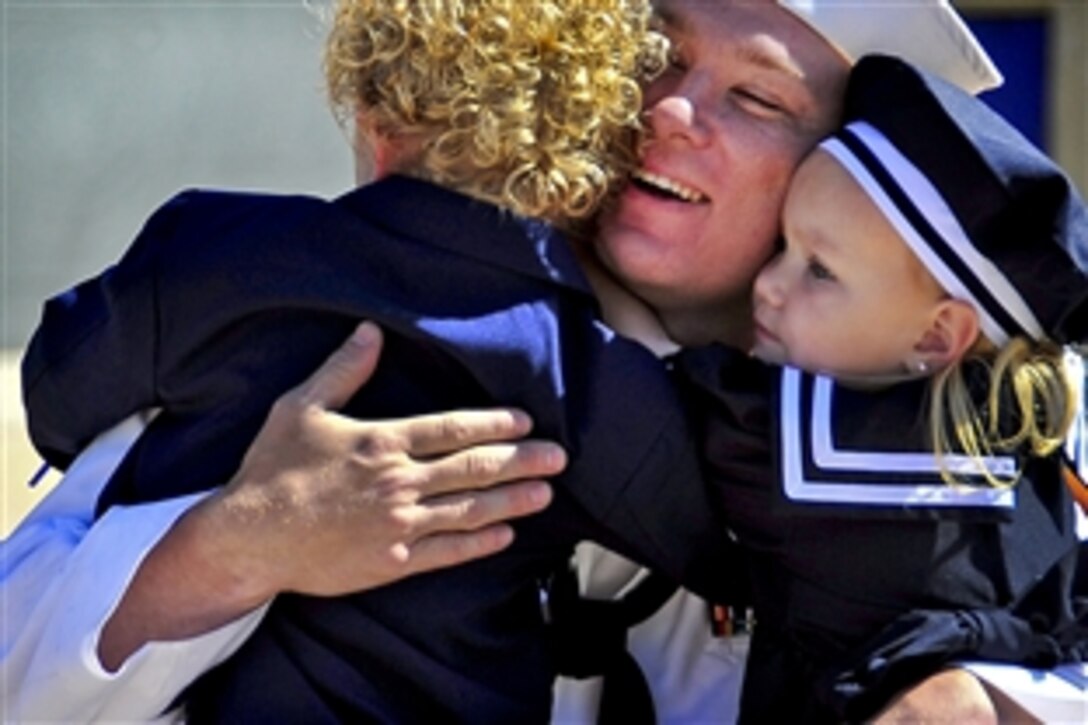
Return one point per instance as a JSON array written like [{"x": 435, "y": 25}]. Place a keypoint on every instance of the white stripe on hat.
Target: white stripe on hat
[{"x": 932, "y": 206}]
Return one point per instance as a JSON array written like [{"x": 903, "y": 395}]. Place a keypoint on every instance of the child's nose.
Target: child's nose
[{"x": 768, "y": 288}]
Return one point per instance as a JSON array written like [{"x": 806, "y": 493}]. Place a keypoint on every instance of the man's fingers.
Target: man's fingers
[
  {"x": 430, "y": 435},
  {"x": 487, "y": 465},
  {"x": 345, "y": 371},
  {"x": 477, "y": 509},
  {"x": 453, "y": 529},
  {"x": 444, "y": 550}
]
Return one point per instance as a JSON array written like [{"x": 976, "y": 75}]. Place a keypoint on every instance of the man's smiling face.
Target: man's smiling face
[{"x": 750, "y": 91}]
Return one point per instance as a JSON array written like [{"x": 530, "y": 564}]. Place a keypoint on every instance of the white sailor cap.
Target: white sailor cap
[
  {"x": 927, "y": 33},
  {"x": 994, "y": 220}
]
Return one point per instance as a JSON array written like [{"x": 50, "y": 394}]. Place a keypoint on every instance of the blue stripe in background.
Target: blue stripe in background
[{"x": 1018, "y": 46}]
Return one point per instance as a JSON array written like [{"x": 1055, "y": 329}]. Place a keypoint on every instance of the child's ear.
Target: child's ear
[
  {"x": 952, "y": 331},
  {"x": 363, "y": 143},
  {"x": 379, "y": 153},
  {"x": 376, "y": 154}
]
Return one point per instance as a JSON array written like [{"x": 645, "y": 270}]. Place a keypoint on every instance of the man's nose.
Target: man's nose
[{"x": 675, "y": 116}]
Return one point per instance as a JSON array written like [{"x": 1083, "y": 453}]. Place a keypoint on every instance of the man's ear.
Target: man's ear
[{"x": 952, "y": 331}]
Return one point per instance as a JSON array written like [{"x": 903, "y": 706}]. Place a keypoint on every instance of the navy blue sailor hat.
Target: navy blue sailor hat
[{"x": 993, "y": 219}]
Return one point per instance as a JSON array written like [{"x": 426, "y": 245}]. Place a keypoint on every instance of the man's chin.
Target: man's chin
[{"x": 618, "y": 251}]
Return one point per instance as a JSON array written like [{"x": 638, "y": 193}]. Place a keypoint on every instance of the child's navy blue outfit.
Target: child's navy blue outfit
[
  {"x": 227, "y": 300},
  {"x": 863, "y": 562}
]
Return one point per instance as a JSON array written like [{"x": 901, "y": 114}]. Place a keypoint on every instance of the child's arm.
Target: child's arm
[
  {"x": 998, "y": 645},
  {"x": 922, "y": 643},
  {"x": 91, "y": 361}
]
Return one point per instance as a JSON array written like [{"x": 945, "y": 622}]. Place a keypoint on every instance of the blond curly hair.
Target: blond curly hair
[
  {"x": 1029, "y": 408},
  {"x": 532, "y": 105}
]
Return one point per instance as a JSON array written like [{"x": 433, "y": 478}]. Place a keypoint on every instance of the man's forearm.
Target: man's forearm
[
  {"x": 952, "y": 695},
  {"x": 62, "y": 574},
  {"x": 61, "y": 583},
  {"x": 189, "y": 584}
]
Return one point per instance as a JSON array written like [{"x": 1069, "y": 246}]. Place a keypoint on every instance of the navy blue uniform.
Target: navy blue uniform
[
  {"x": 869, "y": 572},
  {"x": 227, "y": 300}
]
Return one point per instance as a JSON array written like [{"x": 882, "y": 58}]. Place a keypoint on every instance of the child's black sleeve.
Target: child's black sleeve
[
  {"x": 920, "y": 643},
  {"x": 91, "y": 361}
]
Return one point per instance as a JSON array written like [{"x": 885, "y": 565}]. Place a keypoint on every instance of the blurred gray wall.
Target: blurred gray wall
[{"x": 109, "y": 108}]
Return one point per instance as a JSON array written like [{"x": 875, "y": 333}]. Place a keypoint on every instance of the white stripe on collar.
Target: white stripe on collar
[
  {"x": 799, "y": 488},
  {"x": 826, "y": 455}
]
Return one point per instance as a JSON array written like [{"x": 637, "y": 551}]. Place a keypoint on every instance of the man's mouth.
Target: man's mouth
[{"x": 666, "y": 188}]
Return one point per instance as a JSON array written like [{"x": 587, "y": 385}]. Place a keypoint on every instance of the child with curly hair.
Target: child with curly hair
[
  {"x": 492, "y": 126},
  {"x": 907, "y": 464}
]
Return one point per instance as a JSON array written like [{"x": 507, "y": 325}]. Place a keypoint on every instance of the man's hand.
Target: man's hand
[
  {"x": 341, "y": 505},
  {"x": 950, "y": 696},
  {"x": 324, "y": 505}
]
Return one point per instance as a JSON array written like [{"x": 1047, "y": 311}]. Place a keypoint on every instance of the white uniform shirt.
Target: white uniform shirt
[
  {"x": 62, "y": 577},
  {"x": 694, "y": 677}
]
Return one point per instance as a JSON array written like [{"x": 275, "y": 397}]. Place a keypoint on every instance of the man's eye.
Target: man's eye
[
  {"x": 676, "y": 59},
  {"x": 757, "y": 102},
  {"x": 818, "y": 271}
]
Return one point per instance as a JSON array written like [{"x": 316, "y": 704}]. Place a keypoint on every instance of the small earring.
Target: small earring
[{"x": 919, "y": 367}]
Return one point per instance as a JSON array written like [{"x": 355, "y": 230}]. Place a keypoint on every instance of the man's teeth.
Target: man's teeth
[{"x": 669, "y": 186}]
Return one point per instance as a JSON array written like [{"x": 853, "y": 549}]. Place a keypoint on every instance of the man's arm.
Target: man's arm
[
  {"x": 325, "y": 505},
  {"x": 322, "y": 504},
  {"x": 953, "y": 696}
]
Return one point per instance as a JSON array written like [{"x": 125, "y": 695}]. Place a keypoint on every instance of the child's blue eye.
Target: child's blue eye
[{"x": 817, "y": 270}]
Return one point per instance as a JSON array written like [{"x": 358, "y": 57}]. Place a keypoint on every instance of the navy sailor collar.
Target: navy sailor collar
[{"x": 868, "y": 450}]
